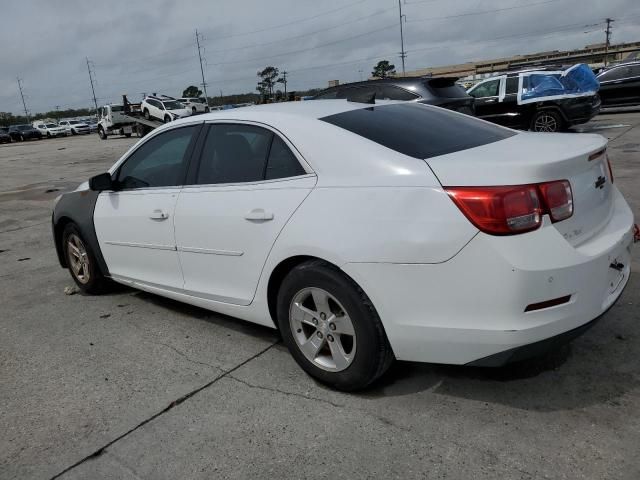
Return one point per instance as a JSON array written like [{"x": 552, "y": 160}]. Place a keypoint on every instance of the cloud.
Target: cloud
[{"x": 149, "y": 46}]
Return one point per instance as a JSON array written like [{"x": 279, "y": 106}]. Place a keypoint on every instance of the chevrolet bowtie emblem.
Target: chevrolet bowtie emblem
[{"x": 600, "y": 182}]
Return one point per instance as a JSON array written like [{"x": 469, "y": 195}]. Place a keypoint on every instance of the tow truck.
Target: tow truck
[{"x": 124, "y": 119}]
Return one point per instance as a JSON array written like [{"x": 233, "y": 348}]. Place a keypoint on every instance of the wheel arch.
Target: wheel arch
[{"x": 283, "y": 268}]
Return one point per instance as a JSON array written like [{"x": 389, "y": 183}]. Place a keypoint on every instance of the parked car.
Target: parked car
[
  {"x": 50, "y": 129},
  {"x": 497, "y": 101},
  {"x": 197, "y": 105},
  {"x": 363, "y": 232},
  {"x": 620, "y": 85},
  {"x": 4, "y": 135},
  {"x": 163, "y": 109},
  {"x": 75, "y": 127},
  {"x": 92, "y": 123},
  {"x": 440, "y": 91},
  {"x": 20, "y": 133}
]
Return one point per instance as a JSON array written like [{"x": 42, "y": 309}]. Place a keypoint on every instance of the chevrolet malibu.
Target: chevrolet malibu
[{"x": 364, "y": 233}]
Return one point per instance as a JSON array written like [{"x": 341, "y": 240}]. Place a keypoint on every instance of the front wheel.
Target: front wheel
[
  {"x": 194, "y": 110},
  {"x": 331, "y": 328},
  {"x": 146, "y": 114},
  {"x": 81, "y": 262},
  {"x": 547, "y": 121},
  {"x": 102, "y": 134},
  {"x": 207, "y": 109},
  {"x": 167, "y": 119}
]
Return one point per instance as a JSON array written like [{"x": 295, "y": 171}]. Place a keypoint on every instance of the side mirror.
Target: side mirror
[{"x": 101, "y": 182}]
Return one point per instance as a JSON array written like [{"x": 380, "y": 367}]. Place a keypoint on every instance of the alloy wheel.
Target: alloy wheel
[
  {"x": 545, "y": 123},
  {"x": 322, "y": 329},
  {"x": 78, "y": 259}
]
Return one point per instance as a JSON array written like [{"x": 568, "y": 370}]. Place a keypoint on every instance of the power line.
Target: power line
[
  {"x": 294, "y": 22},
  {"x": 483, "y": 12}
]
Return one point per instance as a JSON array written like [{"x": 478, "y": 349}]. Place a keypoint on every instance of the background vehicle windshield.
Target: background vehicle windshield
[
  {"x": 51, "y": 125},
  {"x": 173, "y": 105},
  {"x": 73, "y": 122}
]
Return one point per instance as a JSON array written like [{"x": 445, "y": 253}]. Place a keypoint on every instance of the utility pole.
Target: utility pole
[
  {"x": 93, "y": 91},
  {"x": 360, "y": 72},
  {"x": 204, "y": 84},
  {"x": 403, "y": 54},
  {"x": 608, "y": 40},
  {"x": 284, "y": 82},
  {"x": 26, "y": 112},
  {"x": 57, "y": 113}
]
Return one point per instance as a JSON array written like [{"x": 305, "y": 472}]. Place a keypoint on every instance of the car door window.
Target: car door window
[
  {"x": 282, "y": 163},
  {"x": 234, "y": 153},
  {"x": 159, "y": 162},
  {"x": 487, "y": 89},
  {"x": 613, "y": 74}
]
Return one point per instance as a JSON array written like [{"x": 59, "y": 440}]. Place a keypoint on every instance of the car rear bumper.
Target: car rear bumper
[{"x": 472, "y": 307}]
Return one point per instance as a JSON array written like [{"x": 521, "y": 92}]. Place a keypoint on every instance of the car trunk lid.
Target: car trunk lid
[{"x": 530, "y": 158}]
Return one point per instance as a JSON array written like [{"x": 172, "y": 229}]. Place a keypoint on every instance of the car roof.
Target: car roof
[{"x": 311, "y": 109}]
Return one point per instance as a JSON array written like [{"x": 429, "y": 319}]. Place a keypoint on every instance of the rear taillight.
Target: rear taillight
[
  {"x": 508, "y": 210},
  {"x": 558, "y": 199}
]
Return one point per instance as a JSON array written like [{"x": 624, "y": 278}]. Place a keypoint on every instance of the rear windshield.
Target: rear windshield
[
  {"x": 445, "y": 87},
  {"x": 417, "y": 130},
  {"x": 116, "y": 108}
]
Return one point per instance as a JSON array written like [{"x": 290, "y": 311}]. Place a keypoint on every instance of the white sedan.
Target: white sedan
[{"x": 362, "y": 232}]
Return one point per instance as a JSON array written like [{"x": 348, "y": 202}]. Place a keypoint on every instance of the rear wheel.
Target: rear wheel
[
  {"x": 81, "y": 262},
  {"x": 547, "y": 121},
  {"x": 331, "y": 328}
]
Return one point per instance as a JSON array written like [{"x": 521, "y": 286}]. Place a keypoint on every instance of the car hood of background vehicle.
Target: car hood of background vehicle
[{"x": 521, "y": 159}]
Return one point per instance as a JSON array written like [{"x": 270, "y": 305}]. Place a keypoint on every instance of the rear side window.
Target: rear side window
[
  {"x": 390, "y": 92},
  {"x": 245, "y": 153},
  {"x": 418, "y": 130},
  {"x": 282, "y": 163},
  {"x": 512, "y": 85}
]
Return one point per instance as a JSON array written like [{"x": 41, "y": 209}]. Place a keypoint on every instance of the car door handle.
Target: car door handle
[
  {"x": 158, "y": 215},
  {"x": 259, "y": 214},
  {"x": 490, "y": 100}
]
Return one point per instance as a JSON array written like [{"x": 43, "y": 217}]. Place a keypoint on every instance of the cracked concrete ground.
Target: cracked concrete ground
[{"x": 130, "y": 385}]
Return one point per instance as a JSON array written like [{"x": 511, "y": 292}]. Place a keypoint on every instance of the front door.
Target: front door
[
  {"x": 134, "y": 224},
  {"x": 487, "y": 95},
  {"x": 247, "y": 186}
]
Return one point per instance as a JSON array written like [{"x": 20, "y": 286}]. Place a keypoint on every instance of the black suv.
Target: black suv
[
  {"x": 20, "y": 133},
  {"x": 4, "y": 135},
  {"x": 620, "y": 85},
  {"x": 497, "y": 101},
  {"x": 440, "y": 91}
]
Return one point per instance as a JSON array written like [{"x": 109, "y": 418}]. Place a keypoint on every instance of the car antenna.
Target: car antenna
[{"x": 362, "y": 98}]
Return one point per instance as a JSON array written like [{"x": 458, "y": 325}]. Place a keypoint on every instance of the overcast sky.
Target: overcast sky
[{"x": 149, "y": 46}]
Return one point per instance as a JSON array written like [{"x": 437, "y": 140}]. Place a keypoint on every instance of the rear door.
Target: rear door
[
  {"x": 135, "y": 223},
  {"x": 247, "y": 185}
]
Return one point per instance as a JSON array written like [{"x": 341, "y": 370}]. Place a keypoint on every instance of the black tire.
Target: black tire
[
  {"x": 22, "y": 138},
  {"x": 146, "y": 114},
  {"x": 193, "y": 110},
  {"x": 207, "y": 109},
  {"x": 73, "y": 132},
  {"x": 547, "y": 121},
  {"x": 373, "y": 354},
  {"x": 167, "y": 119},
  {"x": 127, "y": 135},
  {"x": 101, "y": 133},
  {"x": 48, "y": 135},
  {"x": 95, "y": 282}
]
